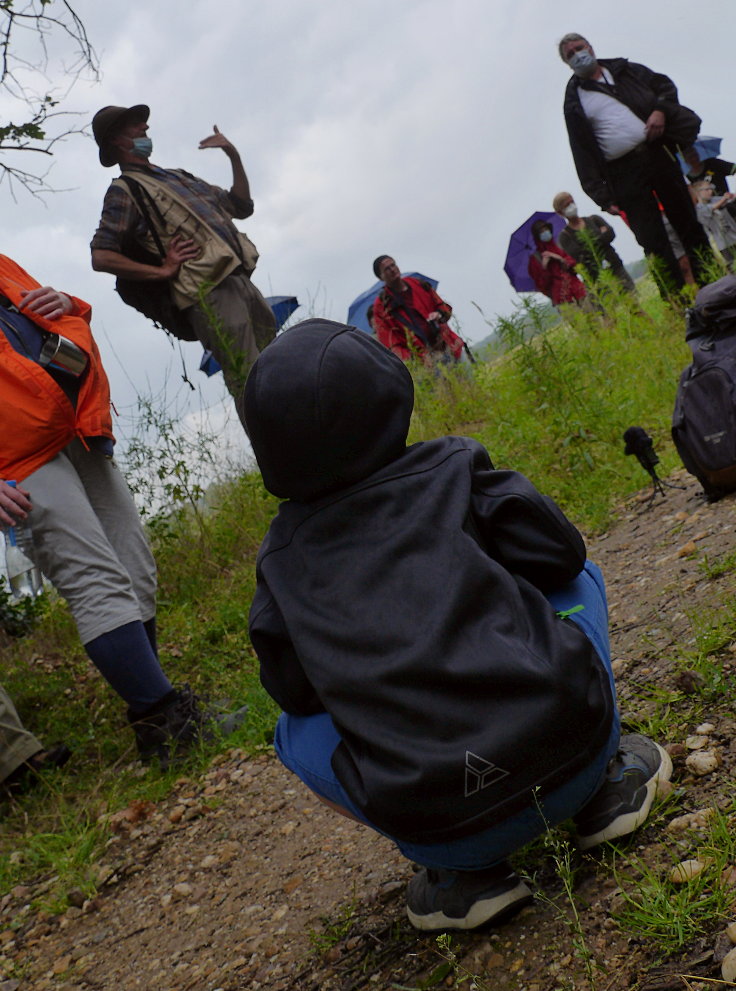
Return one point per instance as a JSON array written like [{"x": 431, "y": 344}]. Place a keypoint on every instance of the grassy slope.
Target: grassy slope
[{"x": 554, "y": 408}]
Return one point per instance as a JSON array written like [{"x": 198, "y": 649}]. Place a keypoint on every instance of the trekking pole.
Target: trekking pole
[{"x": 466, "y": 349}]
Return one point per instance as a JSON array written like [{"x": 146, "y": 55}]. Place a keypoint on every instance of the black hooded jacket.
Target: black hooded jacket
[
  {"x": 636, "y": 86},
  {"x": 401, "y": 588}
]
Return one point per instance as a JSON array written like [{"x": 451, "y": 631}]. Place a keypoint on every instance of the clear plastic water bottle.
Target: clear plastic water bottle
[{"x": 24, "y": 575}]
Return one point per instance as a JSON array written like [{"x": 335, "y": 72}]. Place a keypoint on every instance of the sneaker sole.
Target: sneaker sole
[
  {"x": 629, "y": 821},
  {"x": 481, "y": 913}
]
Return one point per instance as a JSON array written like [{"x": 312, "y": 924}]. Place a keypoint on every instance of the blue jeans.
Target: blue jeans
[{"x": 305, "y": 745}]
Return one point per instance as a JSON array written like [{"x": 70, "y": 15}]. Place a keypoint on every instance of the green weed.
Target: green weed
[
  {"x": 18, "y": 617},
  {"x": 658, "y": 711},
  {"x": 334, "y": 930},
  {"x": 452, "y": 968},
  {"x": 565, "y": 906},
  {"x": 719, "y": 566},
  {"x": 722, "y": 565},
  {"x": 713, "y": 632},
  {"x": 669, "y": 915},
  {"x": 168, "y": 467}
]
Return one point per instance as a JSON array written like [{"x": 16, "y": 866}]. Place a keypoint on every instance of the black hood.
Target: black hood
[{"x": 325, "y": 406}]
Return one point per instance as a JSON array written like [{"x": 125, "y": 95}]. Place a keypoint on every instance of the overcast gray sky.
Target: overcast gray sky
[{"x": 427, "y": 129}]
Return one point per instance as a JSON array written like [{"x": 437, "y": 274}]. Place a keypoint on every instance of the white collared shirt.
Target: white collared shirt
[{"x": 617, "y": 129}]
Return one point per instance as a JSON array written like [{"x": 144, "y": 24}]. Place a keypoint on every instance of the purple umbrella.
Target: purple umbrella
[{"x": 521, "y": 248}]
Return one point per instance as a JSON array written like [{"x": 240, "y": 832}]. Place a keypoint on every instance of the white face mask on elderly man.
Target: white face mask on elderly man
[{"x": 583, "y": 64}]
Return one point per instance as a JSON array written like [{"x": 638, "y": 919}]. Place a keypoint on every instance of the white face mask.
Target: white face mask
[
  {"x": 570, "y": 211},
  {"x": 583, "y": 64}
]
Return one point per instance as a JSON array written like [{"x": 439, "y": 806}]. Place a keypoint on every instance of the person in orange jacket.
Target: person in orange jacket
[{"x": 57, "y": 441}]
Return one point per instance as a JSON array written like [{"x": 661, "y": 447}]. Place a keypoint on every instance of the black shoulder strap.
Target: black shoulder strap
[{"x": 140, "y": 194}]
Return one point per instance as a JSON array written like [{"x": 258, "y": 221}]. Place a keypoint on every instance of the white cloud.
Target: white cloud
[{"x": 428, "y": 129}]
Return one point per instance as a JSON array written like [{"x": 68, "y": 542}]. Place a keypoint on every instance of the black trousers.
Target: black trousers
[{"x": 650, "y": 169}]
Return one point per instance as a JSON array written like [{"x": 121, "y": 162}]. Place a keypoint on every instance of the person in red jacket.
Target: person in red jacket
[
  {"x": 552, "y": 269},
  {"x": 57, "y": 440},
  {"x": 410, "y": 318}
]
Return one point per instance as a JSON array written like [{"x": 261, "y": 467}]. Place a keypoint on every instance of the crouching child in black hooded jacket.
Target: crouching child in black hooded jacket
[{"x": 432, "y": 631}]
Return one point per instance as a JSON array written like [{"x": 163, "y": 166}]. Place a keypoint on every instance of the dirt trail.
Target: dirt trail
[{"x": 227, "y": 884}]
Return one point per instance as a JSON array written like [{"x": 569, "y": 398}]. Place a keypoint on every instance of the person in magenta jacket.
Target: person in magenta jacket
[{"x": 552, "y": 269}]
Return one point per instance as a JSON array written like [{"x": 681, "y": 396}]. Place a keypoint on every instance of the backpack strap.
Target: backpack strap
[{"x": 140, "y": 194}]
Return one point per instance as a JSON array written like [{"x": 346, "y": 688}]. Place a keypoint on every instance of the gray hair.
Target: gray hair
[{"x": 566, "y": 39}]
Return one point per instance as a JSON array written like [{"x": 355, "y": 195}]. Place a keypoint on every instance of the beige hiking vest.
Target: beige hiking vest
[{"x": 216, "y": 259}]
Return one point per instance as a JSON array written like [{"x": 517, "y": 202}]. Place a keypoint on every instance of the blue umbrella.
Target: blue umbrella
[
  {"x": 521, "y": 248},
  {"x": 358, "y": 309},
  {"x": 282, "y": 306},
  {"x": 706, "y": 147}
]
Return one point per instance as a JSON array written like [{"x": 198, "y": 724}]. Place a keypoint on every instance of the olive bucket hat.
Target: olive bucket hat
[{"x": 106, "y": 122}]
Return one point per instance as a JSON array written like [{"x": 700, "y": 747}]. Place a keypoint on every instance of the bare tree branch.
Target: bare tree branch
[{"x": 41, "y": 41}]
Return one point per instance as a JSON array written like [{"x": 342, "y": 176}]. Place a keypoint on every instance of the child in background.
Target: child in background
[{"x": 715, "y": 218}]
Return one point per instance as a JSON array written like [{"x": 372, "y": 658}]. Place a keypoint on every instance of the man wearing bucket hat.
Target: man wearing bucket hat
[
  {"x": 169, "y": 238},
  {"x": 57, "y": 445}
]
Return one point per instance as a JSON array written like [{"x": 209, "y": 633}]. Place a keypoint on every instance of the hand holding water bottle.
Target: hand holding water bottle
[
  {"x": 24, "y": 575},
  {"x": 15, "y": 503}
]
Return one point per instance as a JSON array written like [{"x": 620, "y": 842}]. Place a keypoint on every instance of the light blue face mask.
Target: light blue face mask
[
  {"x": 545, "y": 236},
  {"x": 142, "y": 147},
  {"x": 583, "y": 64}
]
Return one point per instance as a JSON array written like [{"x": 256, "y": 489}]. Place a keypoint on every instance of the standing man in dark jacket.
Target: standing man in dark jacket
[
  {"x": 432, "y": 631},
  {"x": 619, "y": 117}
]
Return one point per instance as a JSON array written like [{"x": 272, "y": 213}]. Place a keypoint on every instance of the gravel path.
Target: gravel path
[{"x": 242, "y": 880}]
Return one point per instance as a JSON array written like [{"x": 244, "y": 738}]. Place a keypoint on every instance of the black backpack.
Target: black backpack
[
  {"x": 152, "y": 299},
  {"x": 704, "y": 418}
]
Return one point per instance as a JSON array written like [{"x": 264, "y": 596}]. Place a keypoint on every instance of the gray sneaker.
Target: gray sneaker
[
  {"x": 624, "y": 800},
  {"x": 437, "y": 900},
  {"x": 177, "y": 723}
]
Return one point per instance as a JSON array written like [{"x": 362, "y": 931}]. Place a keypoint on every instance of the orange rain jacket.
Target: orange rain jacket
[{"x": 36, "y": 418}]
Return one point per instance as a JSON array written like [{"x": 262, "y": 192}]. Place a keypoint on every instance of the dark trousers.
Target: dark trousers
[{"x": 634, "y": 178}]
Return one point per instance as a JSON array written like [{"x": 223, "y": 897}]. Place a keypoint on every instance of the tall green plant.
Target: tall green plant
[
  {"x": 556, "y": 403},
  {"x": 168, "y": 468}
]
